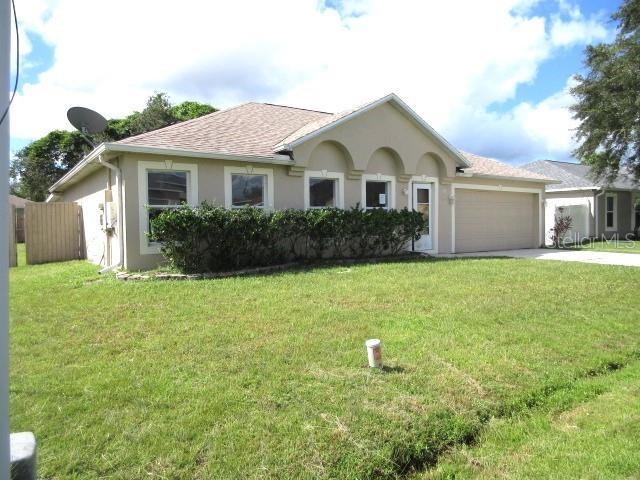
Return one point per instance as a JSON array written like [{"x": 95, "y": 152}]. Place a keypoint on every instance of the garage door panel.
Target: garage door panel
[{"x": 488, "y": 220}]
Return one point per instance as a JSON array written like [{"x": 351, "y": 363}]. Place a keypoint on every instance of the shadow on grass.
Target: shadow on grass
[{"x": 307, "y": 267}]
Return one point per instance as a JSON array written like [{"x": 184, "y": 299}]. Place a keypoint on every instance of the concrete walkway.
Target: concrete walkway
[{"x": 585, "y": 256}]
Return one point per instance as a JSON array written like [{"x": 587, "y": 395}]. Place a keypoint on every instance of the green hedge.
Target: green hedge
[{"x": 209, "y": 238}]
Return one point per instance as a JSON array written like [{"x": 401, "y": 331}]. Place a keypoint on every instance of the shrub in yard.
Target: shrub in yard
[
  {"x": 561, "y": 226},
  {"x": 209, "y": 238}
]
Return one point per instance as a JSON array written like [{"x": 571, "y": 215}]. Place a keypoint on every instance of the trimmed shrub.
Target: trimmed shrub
[{"x": 209, "y": 238}]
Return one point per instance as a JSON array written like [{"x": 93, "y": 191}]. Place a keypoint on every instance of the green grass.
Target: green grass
[
  {"x": 265, "y": 377},
  {"x": 618, "y": 246},
  {"x": 588, "y": 431}
]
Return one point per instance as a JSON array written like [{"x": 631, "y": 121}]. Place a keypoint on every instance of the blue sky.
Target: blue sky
[
  {"x": 553, "y": 73},
  {"x": 495, "y": 86}
]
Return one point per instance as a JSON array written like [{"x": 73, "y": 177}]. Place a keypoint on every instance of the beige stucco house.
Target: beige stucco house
[
  {"x": 598, "y": 208},
  {"x": 380, "y": 155}
]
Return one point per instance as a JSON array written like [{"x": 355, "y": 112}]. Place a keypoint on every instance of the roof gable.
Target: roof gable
[{"x": 321, "y": 125}]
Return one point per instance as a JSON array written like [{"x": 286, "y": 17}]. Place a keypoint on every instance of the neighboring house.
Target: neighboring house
[
  {"x": 380, "y": 155},
  {"x": 19, "y": 203},
  {"x": 597, "y": 208}
]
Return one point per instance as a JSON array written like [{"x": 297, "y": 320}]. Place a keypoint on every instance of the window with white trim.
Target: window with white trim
[
  {"x": 378, "y": 191},
  {"x": 323, "y": 189},
  {"x": 248, "y": 187},
  {"x": 163, "y": 185},
  {"x": 611, "y": 201}
]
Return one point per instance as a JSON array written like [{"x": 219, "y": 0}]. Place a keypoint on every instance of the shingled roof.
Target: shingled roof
[
  {"x": 575, "y": 176},
  {"x": 252, "y": 129},
  {"x": 490, "y": 167}
]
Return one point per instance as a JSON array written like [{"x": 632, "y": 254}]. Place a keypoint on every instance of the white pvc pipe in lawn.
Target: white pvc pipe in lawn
[{"x": 374, "y": 353}]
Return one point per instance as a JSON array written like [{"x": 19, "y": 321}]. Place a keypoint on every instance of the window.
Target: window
[
  {"x": 165, "y": 189},
  {"x": 378, "y": 191},
  {"x": 636, "y": 212},
  {"x": 163, "y": 185},
  {"x": 377, "y": 195},
  {"x": 322, "y": 192},
  {"x": 248, "y": 186},
  {"x": 610, "y": 212},
  {"x": 423, "y": 204},
  {"x": 248, "y": 190},
  {"x": 323, "y": 189}
]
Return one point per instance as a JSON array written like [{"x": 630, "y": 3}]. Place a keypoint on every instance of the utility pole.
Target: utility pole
[{"x": 5, "y": 71}]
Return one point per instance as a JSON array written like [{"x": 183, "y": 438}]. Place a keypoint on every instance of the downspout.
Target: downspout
[
  {"x": 596, "y": 210},
  {"x": 118, "y": 173}
]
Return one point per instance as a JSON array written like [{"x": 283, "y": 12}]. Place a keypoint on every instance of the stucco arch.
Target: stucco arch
[
  {"x": 386, "y": 161},
  {"x": 330, "y": 155},
  {"x": 432, "y": 165}
]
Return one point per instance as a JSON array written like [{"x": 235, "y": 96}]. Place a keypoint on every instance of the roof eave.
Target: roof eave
[
  {"x": 576, "y": 189},
  {"x": 392, "y": 97},
  {"x": 90, "y": 157},
  {"x": 105, "y": 148}
]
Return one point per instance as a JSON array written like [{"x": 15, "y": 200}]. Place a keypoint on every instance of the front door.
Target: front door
[{"x": 423, "y": 203}]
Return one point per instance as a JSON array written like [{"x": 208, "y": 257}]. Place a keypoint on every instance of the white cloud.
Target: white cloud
[
  {"x": 526, "y": 132},
  {"x": 449, "y": 60}
]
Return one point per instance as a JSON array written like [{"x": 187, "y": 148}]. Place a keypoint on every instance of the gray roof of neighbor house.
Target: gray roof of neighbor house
[{"x": 576, "y": 176}]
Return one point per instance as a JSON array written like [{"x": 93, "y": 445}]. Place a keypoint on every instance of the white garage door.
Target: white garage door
[{"x": 488, "y": 220}]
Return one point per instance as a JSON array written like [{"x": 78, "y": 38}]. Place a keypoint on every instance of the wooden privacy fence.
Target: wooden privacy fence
[
  {"x": 53, "y": 232},
  {"x": 13, "y": 249}
]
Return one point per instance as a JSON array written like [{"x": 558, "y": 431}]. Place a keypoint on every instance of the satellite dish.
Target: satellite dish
[{"x": 86, "y": 121}]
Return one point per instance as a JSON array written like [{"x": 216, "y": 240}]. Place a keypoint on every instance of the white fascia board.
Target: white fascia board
[
  {"x": 496, "y": 188},
  {"x": 276, "y": 159},
  {"x": 392, "y": 97},
  {"x": 574, "y": 189},
  {"x": 104, "y": 148}
]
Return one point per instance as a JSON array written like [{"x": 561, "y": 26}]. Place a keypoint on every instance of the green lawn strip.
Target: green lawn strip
[
  {"x": 587, "y": 431},
  {"x": 264, "y": 376},
  {"x": 620, "y": 246}
]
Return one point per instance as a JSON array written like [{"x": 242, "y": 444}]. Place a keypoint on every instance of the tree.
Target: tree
[
  {"x": 189, "y": 110},
  {"x": 41, "y": 163},
  {"x": 608, "y": 100}
]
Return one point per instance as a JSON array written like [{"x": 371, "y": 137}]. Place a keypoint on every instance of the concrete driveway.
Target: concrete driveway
[{"x": 585, "y": 256}]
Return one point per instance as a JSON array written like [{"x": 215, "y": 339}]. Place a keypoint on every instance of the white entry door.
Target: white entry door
[{"x": 423, "y": 203}]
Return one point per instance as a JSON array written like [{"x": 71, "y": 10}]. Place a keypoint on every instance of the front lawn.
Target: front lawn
[
  {"x": 618, "y": 246},
  {"x": 264, "y": 377},
  {"x": 590, "y": 431}
]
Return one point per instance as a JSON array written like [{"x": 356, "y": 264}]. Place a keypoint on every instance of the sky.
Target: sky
[{"x": 491, "y": 76}]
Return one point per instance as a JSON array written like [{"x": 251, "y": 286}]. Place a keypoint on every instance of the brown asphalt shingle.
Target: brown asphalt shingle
[
  {"x": 492, "y": 167},
  {"x": 249, "y": 129}
]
